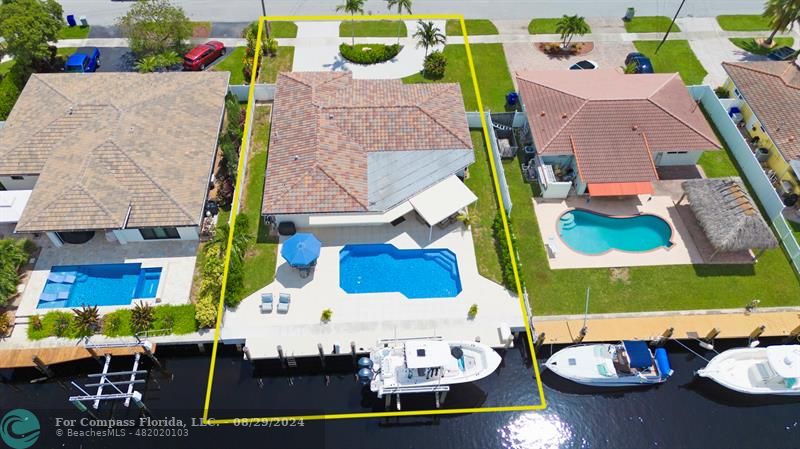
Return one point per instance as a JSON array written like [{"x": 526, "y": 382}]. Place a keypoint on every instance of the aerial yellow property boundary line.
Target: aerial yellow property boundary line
[{"x": 235, "y": 207}]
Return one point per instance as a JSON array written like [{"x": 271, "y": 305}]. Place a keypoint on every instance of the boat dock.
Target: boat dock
[
  {"x": 27, "y": 357},
  {"x": 685, "y": 325}
]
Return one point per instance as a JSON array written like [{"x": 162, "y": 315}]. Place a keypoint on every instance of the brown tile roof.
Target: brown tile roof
[
  {"x": 612, "y": 122},
  {"x": 107, "y": 142},
  {"x": 772, "y": 90},
  {"x": 325, "y": 125}
]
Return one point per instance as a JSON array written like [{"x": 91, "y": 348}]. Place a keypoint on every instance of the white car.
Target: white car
[{"x": 584, "y": 65}]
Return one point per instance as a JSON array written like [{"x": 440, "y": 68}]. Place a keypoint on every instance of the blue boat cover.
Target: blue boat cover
[{"x": 638, "y": 353}]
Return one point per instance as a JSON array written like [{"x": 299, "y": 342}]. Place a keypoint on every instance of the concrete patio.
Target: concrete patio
[
  {"x": 366, "y": 318},
  {"x": 176, "y": 258}
]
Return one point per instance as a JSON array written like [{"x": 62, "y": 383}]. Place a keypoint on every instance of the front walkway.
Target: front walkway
[{"x": 367, "y": 318}]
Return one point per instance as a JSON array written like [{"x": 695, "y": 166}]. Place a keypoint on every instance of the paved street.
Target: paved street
[{"x": 104, "y": 12}]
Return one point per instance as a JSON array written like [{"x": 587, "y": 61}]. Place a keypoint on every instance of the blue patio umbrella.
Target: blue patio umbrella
[{"x": 301, "y": 250}]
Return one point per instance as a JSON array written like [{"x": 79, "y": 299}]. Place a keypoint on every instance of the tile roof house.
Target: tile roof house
[
  {"x": 613, "y": 129},
  {"x": 342, "y": 148},
  {"x": 770, "y": 93},
  {"x": 118, "y": 152}
]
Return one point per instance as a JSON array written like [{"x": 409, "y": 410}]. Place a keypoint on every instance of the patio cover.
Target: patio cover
[
  {"x": 12, "y": 203},
  {"x": 442, "y": 200},
  {"x": 427, "y": 354},
  {"x": 620, "y": 188}
]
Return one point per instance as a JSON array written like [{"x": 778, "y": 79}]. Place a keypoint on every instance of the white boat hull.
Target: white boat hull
[
  {"x": 592, "y": 365},
  {"x": 748, "y": 371}
]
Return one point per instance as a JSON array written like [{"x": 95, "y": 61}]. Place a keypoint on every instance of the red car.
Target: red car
[{"x": 204, "y": 54}]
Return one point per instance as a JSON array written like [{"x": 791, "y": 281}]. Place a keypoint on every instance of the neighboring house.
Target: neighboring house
[
  {"x": 127, "y": 154},
  {"x": 360, "y": 152},
  {"x": 606, "y": 132},
  {"x": 770, "y": 94}
]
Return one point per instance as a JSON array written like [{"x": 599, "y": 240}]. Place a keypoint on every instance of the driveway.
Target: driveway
[
  {"x": 713, "y": 52},
  {"x": 116, "y": 59},
  {"x": 525, "y": 56}
]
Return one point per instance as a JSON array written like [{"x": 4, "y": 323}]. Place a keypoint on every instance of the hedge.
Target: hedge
[
  {"x": 369, "y": 53},
  {"x": 503, "y": 252}
]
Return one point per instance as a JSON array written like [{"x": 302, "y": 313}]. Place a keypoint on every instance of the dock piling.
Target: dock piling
[
  {"x": 246, "y": 352},
  {"x": 539, "y": 341},
  {"x": 752, "y": 340},
  {"x": 661, "y": 339},
  {"x": 42, "y": 367},
  {"x": 147, "y": 348},
  {"x": 321, "y": 355},
  {"x": 281, "y": 357},
  {"x": 581, "y": 335},
  {"x": 794, "y": 335},
  {"x": 707, "y": 342}
]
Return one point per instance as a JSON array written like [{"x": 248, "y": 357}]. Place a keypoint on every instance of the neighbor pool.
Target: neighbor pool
[
  {"x": 382, "y": 268},
  {"x": 592, "y": 233},
  {"x": 98, "y": 285}
]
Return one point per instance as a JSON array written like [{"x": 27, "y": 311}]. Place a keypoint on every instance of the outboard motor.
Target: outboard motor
[
  {"x": 365, "y": 362},
  {"x": 364, "y": 376}
]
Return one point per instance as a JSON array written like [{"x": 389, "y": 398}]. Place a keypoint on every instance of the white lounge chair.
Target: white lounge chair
[
  {"x": 283, "y": 303},
  {"x": 266, "y": 303},
  {"x": 552, "y": 245}
]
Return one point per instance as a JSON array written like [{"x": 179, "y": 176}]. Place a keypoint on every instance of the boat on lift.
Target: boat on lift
[
  {"x": 774, "y": 370},
  {"x": 419, "y": 365},
  {"x": 623, "y": 364}
]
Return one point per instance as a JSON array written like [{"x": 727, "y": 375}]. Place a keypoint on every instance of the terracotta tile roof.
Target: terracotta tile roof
[
  {"x": 603, "y": 116},
  {"x": 109, "y": 142},
  {"x": 772, "y": 90},
  {"x": 325, "y": 125}
]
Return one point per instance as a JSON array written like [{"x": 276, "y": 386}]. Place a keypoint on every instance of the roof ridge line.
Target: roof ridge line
[
  {"x": 562, "y": 127},
  {"x": 80, "y": 187},
  {"x": 448, "y": 130},
  {"x": 695, "y": 130},
  {"x": 319, "y": 167}
]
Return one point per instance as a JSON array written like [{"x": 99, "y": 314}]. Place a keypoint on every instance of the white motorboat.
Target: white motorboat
[
  {"x": 628, "y": 363},
  {"x": 425, "y": 365},
  {"x": 774, "y": 370}
]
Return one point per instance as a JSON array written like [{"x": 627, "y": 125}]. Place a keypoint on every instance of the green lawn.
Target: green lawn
[
  {"x": 717, "y": 164},
  {"x": 283, "y": 29},
  {"x": 493, "y": 77},
  {"x": 5, "y": 67},
  {"x": 270, "y": 66},
  {"x": 373, "y": 28},
  {"x": 475, "y": 27},
  {"x": 483, "y": 211},
  {"x": 650, "y": 24},
  {"x": 545, "y": 26},
  {"x": 743, "y": 22},
  {"x": 233, "y": 62},
  {"x": 76, "y": 32},
  {"x": 259, "y": 262},
  {"x": 674, "y": 56},
  {"x": 749, "y": 44}
]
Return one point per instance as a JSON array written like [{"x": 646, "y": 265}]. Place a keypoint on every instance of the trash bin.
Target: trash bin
[
  {"x": 762, "y": 154},
  {"x": 512, "y": 98},
  {"x": 84, "y": 22},
  {"x": 71, "y": 20}
]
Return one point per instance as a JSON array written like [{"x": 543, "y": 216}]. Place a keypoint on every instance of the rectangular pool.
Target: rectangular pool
[
  {"x": 382, "y": 268},
  {"x": 98, "y": 285}
]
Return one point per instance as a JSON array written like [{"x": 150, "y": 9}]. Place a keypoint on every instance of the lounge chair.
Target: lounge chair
[
  {"x": 266, "y": 303},
  {"x": 552, "y": 245},
  {"x": 69, "y": 277},
  {"x": 283, "y": 303}
]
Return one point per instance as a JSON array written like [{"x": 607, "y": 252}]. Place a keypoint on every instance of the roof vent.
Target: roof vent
[
  {"x": 296, "y": 157},
  {"x": 330, "y": 116},
  {"x": 542, "y": 114},
  {"x": 635, "y": 127},
  {"x": 563, "y": 115},
  {"x": 791, "y": 138},
  {"x": 70, "y": 110}
]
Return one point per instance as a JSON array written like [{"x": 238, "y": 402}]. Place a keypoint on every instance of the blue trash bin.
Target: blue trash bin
[
  {"x": 512, "y": 98},
  {"x": 71, "y": 20}
]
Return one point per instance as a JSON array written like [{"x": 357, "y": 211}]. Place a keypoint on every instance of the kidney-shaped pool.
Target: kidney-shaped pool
[{"x": 592, "y": 233}]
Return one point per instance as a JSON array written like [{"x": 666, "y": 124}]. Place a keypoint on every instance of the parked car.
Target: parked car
[
  {"x": 641, "y": 63},
  {"x": 781, "y": 54},
  {"x": 84, "y": 60},
  {"x": 584, "y": 65},
  {"x": 201, "y": 56}
]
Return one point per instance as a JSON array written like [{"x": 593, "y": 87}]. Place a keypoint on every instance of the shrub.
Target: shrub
[
  {"x": 269, "y": 46},
  {"x": 142, "y": 317},
  {"x": 62, "y": 324},
  {"x": 369, "y": 53},
  {"x": 722, "y": 92},
  {"x": 35, "y": 322},
  {"x": 13, "y": 255},
  {"x": 473, "y": 310},
  {"x": 503, "y": 251},
  {"x": 5, "y": 323},
  {"x": 87, "y": 320},
  {"x": 113, "y": 323},
  {"x": 327, "y": 314},
  {"x": 435, "y": 65},
  {"x": 205, "y": 313},
  {"x": 10, "y": 88}
]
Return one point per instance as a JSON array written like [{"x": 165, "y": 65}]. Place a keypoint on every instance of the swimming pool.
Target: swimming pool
[
  {"x": 593, "y": 233},
  {"x": 98, "y": 285},
  {"x": 382, "y": 268}
]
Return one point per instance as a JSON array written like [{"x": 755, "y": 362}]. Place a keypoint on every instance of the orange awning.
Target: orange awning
[{"x": 620, "y": 188}]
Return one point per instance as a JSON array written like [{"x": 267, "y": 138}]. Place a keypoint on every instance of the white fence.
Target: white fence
[
  {"x": 474, "y": 121},
  {"x": 751, "y": 169},
  {"x": 262, "y": 92}
]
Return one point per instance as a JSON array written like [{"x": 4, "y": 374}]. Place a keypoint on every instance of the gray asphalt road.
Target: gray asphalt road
[{"x": 105, "y": 12}]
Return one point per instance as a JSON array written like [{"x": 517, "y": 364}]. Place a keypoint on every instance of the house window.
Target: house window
[
  {"x": 677, "y": 152},
  {"x": 738, "y": 95},
  {"x": 159, "y": 233},
  {"x": 18, "y": 178}
]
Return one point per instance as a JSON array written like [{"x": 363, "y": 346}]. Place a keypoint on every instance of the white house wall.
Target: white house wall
[
  {"x": 26, "y": 183},
  {"x": 133, "y": 235}
]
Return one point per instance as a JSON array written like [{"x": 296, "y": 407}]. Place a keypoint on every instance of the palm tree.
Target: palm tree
[
  {"x": 429, "y": 35},
  {"x": 352, "y": 7},
  {"x": 87, "y": 320},
  {"x": 569, "y": 26},
  {"x": 147, "y": 64},
  {"x": 142, "y": 316},
  {"x": 782, "y": 14},
  {"x": 401, "y": 5}
]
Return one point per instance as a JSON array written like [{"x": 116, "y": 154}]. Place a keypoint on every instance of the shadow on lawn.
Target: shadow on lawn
[{"x": 724, "y": 270}]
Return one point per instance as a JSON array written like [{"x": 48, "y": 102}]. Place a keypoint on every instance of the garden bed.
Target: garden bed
[
  {"x": 575, "y": 49},
  {"x": 367, "y": 54}
]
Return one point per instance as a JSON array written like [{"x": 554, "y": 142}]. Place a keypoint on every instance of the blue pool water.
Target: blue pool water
[
  {"x": 382, "y": 268},
  {"x": 98, "y": 285},
  {"x": 592, "y": 233}
]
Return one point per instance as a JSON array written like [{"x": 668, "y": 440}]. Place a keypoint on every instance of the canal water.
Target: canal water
[{"x": 685, "y": 412}]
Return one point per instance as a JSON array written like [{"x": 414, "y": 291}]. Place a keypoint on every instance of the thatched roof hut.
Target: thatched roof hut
[{"x": 727, "y": 214}]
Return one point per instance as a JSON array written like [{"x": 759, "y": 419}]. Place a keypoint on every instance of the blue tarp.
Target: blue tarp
[{"x": 638, "y": 353}]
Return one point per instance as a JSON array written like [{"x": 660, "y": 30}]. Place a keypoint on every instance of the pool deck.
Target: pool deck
[
  {"x": 367, "y": 318},
  {"x": 177, "y": 259}
]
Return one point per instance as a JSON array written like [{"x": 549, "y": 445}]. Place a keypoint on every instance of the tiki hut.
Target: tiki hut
[{"x": 728, "y": 216}]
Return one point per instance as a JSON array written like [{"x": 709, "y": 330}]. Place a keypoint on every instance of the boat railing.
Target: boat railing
[
  {"x": 390, "y": 340},
  {"x": 404, "y": 390}
]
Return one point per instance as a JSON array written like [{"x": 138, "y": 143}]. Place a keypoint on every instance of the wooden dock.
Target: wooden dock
[
  {"x": 23, "y": 358},
  {"x": 734, "y": 324}
]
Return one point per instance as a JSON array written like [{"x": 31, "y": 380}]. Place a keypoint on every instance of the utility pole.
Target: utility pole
[
  {"x": 670, "y": 26},
  {"x": 263, "y": 9}
]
